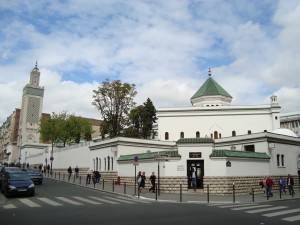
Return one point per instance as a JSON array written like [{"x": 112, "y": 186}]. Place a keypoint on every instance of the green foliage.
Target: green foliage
[
  {"x": 141, "y": 118},
  {"x": 64, "y": 128},
  {"x": 114, "y": 100}
]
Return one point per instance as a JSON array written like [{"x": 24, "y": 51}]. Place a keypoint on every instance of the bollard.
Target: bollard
[
  {"x": 74, "y": 178},
  {"x": 58, "y": 175},
  {"x": 102, "y": 184},
  {"x": 124, "y": 187},
  {"x": 80, "y": 180},
  {"x": 138, "y": 192},
  {"x": 55, "y": 175},
  {"x": 233, "y": 192},
  {"x": 156, "y": 192},
  {"x": 207, "y": 193},
  {"x": 63, "y": 177},
  {"x": 113, "y": 185},
  {"x": 180, "y": 193},
  {"x": 279, "y": 193},
  {"x": 252, "y": 194}
]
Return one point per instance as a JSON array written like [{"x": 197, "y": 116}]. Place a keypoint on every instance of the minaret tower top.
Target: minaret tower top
[{"x": 35, "y": 76}]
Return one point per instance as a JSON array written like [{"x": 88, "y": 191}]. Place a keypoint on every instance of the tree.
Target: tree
[
  {"x": 141, "y": 118},
  {"x": 114, "y": 100}
]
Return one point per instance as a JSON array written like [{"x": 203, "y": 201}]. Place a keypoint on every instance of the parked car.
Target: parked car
[
  {"x": 17, "y": 182},
  {"x": 5, "y": 169},
  {"x": 35, "y": 175}
]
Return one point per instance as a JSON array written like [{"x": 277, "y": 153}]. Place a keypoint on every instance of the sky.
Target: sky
[{"x": 164, "y": 47}]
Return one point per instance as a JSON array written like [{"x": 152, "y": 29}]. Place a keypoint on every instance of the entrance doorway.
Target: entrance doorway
[{"x": 196, "y": 166}]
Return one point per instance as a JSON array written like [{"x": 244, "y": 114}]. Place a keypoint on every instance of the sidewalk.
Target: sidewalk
[{"x": 189, "y": 197}]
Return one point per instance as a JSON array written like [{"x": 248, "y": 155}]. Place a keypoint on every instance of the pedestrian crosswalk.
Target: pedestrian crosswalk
[
  {"x": 58, "y": 201},
  {"x": 266, "y": 210}
]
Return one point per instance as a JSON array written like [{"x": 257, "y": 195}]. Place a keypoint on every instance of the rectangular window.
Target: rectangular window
[
  {"x": 282, "y": 160},
  {"x": 249, "y": 148},
  {"x": 278, "y": 160}
]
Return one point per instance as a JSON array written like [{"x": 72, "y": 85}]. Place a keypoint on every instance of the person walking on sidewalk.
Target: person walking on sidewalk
[
  {"x": 282, "y": 185},
  {"x": 269, "y": 183},
  {"x": 70, "y": 173},
  {"x": 139, "y": 180},
  {"x": 194, "y": 179},
  {"x": 76, "y": 171},
  {"x": 48, "y": 169},
  {"x": 152, "y": 180},
  {"x": 89, "y": 176},
  {"x": 290, "y": 184}
]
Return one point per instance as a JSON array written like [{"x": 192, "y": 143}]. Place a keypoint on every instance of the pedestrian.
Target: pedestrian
[
  {"x": 139, "y": 180},
  {"x": 194, "y": 179},
  {"x": 282, "y": 185},
  {"x": 152, "y": 180},
  {"x": 76, "y": 171},
  {"x": 143, "y": 181},
  {"x": 290, "y": 184},
  {"x": 89, "y": 176},
  {"x": 45, "y": 170},
  {"x": 97, "y": 176},
  {"x": 40, "y": 167},
  {"x": 70, "y": 173},
  {"x": 269, "y": 183},
  {"x": 48, "y": 169}
]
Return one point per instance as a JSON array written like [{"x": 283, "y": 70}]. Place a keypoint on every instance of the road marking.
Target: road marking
[
  {"x": 9, "y": 206},
  {"x": 134, "y": 200},
  {"x": 87, "y": 200},
  {"x": 238, "y": 205},
  {"x": 49, "y": 201},
  {"x": 119, "y": 200},
  {"x": 251, "y": 207},
  {"x": 267, "y": 209},
  {"x": 69, "y": 201},
  {"x": 29, "y": 203},
  {"x": 103, "y": 200},
  {"x": 281, "y": 212},
  {"x": 292, "y": 218}
]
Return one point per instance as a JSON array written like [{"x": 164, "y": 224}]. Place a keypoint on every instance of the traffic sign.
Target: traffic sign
[{"x": 135, "y": 160}]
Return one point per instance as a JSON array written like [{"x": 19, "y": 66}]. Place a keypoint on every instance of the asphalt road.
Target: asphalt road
[{"x": 59, "y": 203}]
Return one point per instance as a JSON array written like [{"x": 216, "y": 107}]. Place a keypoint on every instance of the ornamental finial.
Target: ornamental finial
[
  {"x": 209, "y": 72},
  {"x": 36, "y": 65}
]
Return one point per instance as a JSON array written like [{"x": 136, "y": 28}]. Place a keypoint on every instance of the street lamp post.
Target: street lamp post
[{"x": 51, "y": 159}]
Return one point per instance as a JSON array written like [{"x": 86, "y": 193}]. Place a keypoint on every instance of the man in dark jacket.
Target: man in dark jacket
[
  {"x": 269, "y": 183},
  {"x": 152, "y": 180},
  {"x": 290, "y": 184}
]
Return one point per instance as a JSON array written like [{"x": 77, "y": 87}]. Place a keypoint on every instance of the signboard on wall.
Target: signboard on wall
[
  {"x": 180, "y": 168},
  {"x": 195, "y": 154}
]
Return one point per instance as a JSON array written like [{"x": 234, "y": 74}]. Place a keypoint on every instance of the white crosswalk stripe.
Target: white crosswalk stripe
[
  {"x": 49, "y": 202},
  {"x": 267, "y": 209},
  {"x": 9, "y": 206},
  {"x": 280, "y": 213},
  {"x": 119, "y": 200},
  {"x": 133, "y": 200},
  {"x": 63, "y": 199},
  {"x": 103, "y": 200},
  {"x": 237, "y": 205},
  {"x": 87, "y": 200},
  {"x": 29, "y": 203},
  {"x": 292, "y": 218},
  {"x": 251, "y": 207}
]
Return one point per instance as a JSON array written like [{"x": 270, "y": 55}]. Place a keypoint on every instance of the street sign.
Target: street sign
[{"x": 135, "y": 160}]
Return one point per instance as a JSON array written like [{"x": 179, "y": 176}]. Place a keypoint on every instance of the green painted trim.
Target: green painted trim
[
  {"x": 239, "y": 154},
  {"x": 195, "y": 141},
  {"x": 33, "y": 91},
  {"x": 149, "y": 155}
]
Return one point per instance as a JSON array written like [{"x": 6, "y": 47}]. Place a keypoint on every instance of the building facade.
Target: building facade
[{"x": 291, "y": 121}]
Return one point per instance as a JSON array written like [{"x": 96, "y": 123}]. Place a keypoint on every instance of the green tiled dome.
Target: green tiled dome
[{"x": 210, "y": 88}]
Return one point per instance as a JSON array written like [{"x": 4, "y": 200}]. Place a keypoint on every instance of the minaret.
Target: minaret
[{"x": 31, "y": 110}]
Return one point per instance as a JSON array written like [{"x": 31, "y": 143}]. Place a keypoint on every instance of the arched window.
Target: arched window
[
  {"x": 99, "y": 164},
  {"x": 104, "y": 164},
  {"x": 216, "y": 135},
  {"x": 181, "y": 134},
  {"x": 249, "y": 132},
  {"x": 96, "y": 163},
  {"x": 220, "y": 136},
  {"x": 197, "y": 134},
  {"x": 112, "y": 163},
  {"x": 211, "y": 136},
  {"x": 108, "y": 163},
  {"x": 166, "y": 135},
  {"x": 278, "y": 160},
  {"x": 233, "y": 133},
  {"x": 282, "y": 160}
]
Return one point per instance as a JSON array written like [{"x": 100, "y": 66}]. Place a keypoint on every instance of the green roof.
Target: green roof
[
  {"x": 239, "y": 154},
  {"x": 194, "y": 141},
  {"x": 209, "y": 88},
  {"x": 149, "y": 155}
]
